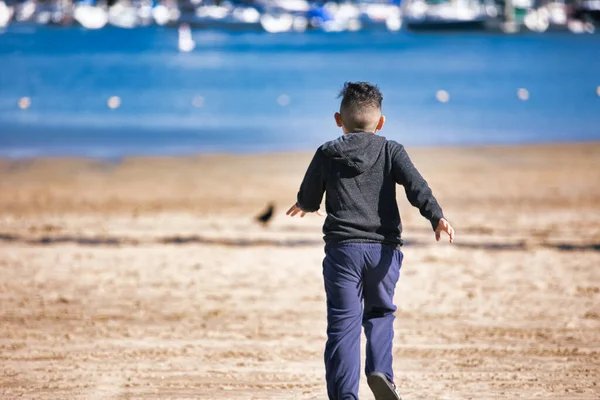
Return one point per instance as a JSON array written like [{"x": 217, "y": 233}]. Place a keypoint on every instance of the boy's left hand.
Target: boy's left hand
[
  {"x": 295, "y": 210},
  {"x": 444, "y": 226}
]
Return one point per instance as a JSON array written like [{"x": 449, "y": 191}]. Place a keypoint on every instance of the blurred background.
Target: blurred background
[
  {"x": 144, "y": 265},
  {"x": 141, "y": 77}
]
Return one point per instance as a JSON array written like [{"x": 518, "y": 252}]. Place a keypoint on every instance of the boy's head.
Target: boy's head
[{"x": 360, "y": 110}]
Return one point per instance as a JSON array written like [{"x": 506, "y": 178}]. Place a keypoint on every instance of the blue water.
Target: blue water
[{"x": 69, "y": 74}]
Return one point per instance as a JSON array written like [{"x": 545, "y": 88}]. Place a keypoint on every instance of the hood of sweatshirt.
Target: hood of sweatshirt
[{"x": 358, "y": 151}]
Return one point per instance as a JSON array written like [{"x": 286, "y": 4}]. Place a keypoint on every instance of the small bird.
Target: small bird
[{"x": 266, "y": 216}]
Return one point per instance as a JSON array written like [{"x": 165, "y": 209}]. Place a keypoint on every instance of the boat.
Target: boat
[
  {"x": 278, "y": 16},
  {"x": 144, "y": 12},
  {"x": 228, "y": 17},
  {"x": 285, "y": 6},
  {"x": 333, "y": 17},
  {"x": 277, "y": 23},
  {"x": 381, "y": 15},
  {"x": 552, "y": 16},
  {"x": 123, "y": 14},
  {"x": 185, "y": 41},
  {"x": 6, "y": 14},
  {"x": 166, "y": 13},
  {"x": 90, "y": 16},
  {"x": 586, "y": 16},
  {"x": 25, "y": 11},
  {"x": 444, "y": 15},
  {"x": 54, "y": 13}
]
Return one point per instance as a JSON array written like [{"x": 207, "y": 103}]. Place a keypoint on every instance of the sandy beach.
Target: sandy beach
[{"x": 149, "y": 278}]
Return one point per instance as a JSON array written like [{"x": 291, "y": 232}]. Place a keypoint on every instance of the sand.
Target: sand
[{"x": 148, "y": 278}]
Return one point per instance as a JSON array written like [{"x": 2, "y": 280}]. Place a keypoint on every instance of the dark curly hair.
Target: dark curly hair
[{"x": 361, "y": 106}]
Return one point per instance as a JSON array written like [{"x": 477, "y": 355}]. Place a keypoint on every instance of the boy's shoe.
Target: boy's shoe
[{"x": 382, "y": 388}]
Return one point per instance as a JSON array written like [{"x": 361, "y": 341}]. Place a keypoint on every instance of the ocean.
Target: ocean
[{"x": 259, "y": 92}]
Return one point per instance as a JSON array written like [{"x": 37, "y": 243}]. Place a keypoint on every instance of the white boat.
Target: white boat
[
  {"x": 166, "y": 12},
  {"x": 346, "y": 17},
  {"x": 385, "y": 15},
  {"x": 578, "y": 26},
  {"x": 123, "y": 15},
  {"x": 144, "y": 13},
  {"x": 249, "y": 15},
  {"x": 452, "y": 14},
  {"x": 6, "y": 14},
  {"x": 43, "y": 17},
  {"x": 291, "y": 6},
  {"x": 90, "y": 17},
  {"x": 277, "y": 23},
  {"x": 185, "y": 41},
  {"x": 588, "y": 12},
  {"x": 551, "y": 16},
  {"x": 25, "y": 11},
  {"x": 226, "y": 17},
  {"x": 334, "y": 17},
  {"x": 160, "y": 13},
  {"x": 213, "y": 12}
]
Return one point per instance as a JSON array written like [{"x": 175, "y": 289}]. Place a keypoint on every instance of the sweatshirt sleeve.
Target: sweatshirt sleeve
[
  {"x": 313, "y": 185},
  {"x": 417, "y": 190}
]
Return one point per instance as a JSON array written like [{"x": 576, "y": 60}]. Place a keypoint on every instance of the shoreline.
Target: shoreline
[{"x": 194, "y": 153}]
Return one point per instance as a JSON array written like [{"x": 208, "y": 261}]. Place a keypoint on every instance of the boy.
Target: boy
[{"x": 359, "y": 172}]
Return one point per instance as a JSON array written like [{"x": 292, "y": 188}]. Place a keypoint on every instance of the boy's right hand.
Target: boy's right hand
[
  {"x": 444, "y": 226},
  {"x": 295, "y": 209}
]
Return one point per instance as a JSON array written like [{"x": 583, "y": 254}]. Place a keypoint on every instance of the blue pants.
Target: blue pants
[{"x": 353, "y": 272}]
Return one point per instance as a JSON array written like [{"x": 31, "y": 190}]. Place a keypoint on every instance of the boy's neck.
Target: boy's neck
[{"x": 356, "y": 131}]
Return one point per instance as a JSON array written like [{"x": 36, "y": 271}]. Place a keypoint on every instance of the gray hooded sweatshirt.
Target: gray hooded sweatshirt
[{"x": 358, "y": 172}]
